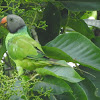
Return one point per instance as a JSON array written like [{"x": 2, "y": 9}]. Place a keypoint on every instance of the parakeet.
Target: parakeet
[{"x": 23, "y": 50}]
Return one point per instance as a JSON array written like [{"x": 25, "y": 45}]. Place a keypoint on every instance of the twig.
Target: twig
[
  {"x": 86, "y": 72},
  {"x": 33, "y": 77},
  {"x": 8, "y": 59},
  {"x": 7, "y": 69}
]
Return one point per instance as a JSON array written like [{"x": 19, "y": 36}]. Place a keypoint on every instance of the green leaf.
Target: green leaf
[
  {"x": 44, "y": 72},
  {"x": 96, "y": 41},
  {"x": 78, "y": 91},
  {"x": 80, "y": 26},
  {"x": 95, "y": 80},
  {"x": 89, "y": 89},
  {"x": 64, "y": 72},
  {"x": 81, "y": 5},
  {"x": 52, "y": 17},
  {"x": 56, "y": 53},
  {"x": 56, "y": 85},
  {"x": 66, "y": 96},
  {"x": 64, "y": 17},
  {"x": 52, "y": 97},
  {"x": 80, "y": 48}
]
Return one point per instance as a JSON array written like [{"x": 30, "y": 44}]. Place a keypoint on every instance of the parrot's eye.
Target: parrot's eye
[{"x": 11, "y": 19}]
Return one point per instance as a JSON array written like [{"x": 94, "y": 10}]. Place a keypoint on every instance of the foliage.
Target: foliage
[{"x": 66, "y": 37}]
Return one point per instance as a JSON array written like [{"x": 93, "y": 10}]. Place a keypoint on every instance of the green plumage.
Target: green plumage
[{"x": 25, "y": 51}]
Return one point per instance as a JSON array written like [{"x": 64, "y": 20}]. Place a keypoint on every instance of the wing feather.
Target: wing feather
[{"x": 22, "y": 46}]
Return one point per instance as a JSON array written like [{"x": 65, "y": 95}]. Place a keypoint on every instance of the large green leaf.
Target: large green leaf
[
  {"x": 80, "y": 26},
  {"x": 52, "y": 97},
  {"x": 81, "y": 5},
  {"x": 65, "y": 96},
  {"x": 64, "y": 72},
  {"x": 52, "y": 17},
  {"x": 90, "y": 89},
  {"x": 79, "y": 48},
  {"x": 95, "y": 80},
  {"x": 56, "y": 85},
  {"x": 56, "y": 53},
  {"x": 64, "y": 17},
  {"x": 78, "y": 92}
]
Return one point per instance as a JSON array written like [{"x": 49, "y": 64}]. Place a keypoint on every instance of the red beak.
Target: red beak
[{"x": 4, "y": 20}]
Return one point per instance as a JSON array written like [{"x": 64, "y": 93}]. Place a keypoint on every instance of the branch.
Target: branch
[{"x": 3, "y": 6}]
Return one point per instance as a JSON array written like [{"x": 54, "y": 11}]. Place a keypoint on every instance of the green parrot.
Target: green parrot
[{"x": 22, "y": 49}]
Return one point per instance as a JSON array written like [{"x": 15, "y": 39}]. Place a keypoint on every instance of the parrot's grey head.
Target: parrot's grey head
[{"x": 14, "y": 23}]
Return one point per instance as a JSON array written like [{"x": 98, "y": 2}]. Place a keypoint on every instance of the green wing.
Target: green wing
[{"x": 23, "y": 46}]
